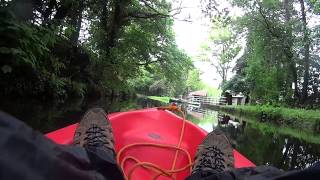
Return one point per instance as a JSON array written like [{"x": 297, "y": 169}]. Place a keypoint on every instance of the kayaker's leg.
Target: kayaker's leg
[
  {"x": 27, "y": 154},
  {"x": 94, "y": 133},
  {"x": 214, "y": 155}
]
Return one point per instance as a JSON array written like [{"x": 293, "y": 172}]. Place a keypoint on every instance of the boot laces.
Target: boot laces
[
  {"x": 212, "y": 158},
  {"x": 95, "y": 136}
]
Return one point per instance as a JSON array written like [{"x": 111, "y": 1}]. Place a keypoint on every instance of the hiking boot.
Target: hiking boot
[
  {"x": 94, "y": 130},
  {"x": 215, "y": 154}
]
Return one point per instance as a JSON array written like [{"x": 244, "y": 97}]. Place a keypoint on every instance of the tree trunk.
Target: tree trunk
[
  {"x": 76, "y": 22},
  {"x": 117, "y": 21},
  {"x": 288, "y": 6},
  {"x": 306, "y": 43}
]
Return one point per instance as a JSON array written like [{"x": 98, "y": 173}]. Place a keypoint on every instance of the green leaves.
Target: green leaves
[
  {"x": 275, "y": 52},
  {"x": 316, "y": 5},
  {"x": 5, "y": 50},
  {"x": 125, "y": 46},
  {"x": 223, "y": 44},
  {"x": 194, "y": 82}
]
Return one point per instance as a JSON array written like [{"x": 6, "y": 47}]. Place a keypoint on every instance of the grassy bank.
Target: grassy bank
[
  {"x": 294, "y": 118},
  {"x": 161, "y": 99}
]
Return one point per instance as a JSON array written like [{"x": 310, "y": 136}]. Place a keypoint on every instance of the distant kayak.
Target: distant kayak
[{"x": 155, "y": 134}]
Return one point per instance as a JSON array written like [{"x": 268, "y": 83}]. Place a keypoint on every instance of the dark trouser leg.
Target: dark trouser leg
[
  {"x": 26, "y": 154},
  {"x": 260, "y": 173}
]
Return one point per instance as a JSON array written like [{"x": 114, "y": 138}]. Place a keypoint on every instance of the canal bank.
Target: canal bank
[{"x": 301, "y": 119}]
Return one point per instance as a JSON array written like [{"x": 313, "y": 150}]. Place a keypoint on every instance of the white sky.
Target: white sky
[{"x": 190, "y": 35}]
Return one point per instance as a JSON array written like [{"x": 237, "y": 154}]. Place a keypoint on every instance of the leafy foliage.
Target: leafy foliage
[
  {"x": 86, "y": 47},
  {"x": 223, "y": 45},
  {"x": 280, "y": 62},
  {"x": 194, "y": 82}
]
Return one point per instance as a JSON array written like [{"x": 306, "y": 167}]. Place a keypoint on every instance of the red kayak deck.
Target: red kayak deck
[{"x": 151, "y": 126}]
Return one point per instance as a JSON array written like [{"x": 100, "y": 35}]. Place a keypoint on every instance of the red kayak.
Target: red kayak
[{"x": 144, "y": 129}]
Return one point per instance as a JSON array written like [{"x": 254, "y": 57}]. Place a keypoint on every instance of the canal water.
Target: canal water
[{"x": 257, "y": 143}]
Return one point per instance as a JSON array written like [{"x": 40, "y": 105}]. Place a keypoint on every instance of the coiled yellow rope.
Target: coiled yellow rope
[{"x": 153, "y": 167}]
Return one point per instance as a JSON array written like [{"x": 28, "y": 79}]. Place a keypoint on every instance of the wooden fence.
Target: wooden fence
[{"x": 205, "y": 100}]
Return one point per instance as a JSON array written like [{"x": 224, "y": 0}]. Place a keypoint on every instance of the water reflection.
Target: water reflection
[
  {"x": 259, "y": 145},
  {"x": 49, "y": 116},
  {"x": 274, "y": 149},
  {"x": 204, "y": 118}
]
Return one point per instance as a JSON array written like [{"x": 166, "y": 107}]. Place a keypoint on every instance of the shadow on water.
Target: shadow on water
[
  {"x": 257, "y": 144},
  {"x": 49, "y": 116},
  {"x": 263, "y": 147}
]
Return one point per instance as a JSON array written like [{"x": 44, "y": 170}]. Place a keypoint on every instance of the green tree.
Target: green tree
[
  {"x": 63, "y": 48},
  {"x": 194, "y": 82},
  {"x": 281, "y": 50},
  {"x": 223, "y": 45}
]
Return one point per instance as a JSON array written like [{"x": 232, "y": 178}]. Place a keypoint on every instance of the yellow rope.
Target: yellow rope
[{"x": 150, "y": 166}]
